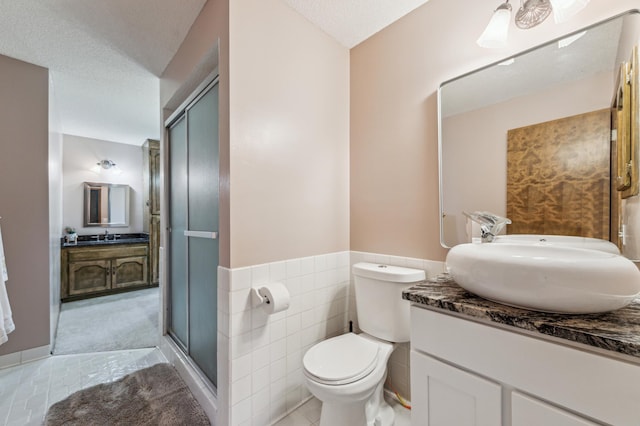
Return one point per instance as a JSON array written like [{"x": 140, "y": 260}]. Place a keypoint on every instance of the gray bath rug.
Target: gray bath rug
[
  {"x": 109, "y": 323},
  {"x": 152, "y": 396}
]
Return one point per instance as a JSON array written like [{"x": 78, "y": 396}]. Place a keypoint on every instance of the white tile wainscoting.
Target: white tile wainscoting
[{"x": 263, "y": 353}]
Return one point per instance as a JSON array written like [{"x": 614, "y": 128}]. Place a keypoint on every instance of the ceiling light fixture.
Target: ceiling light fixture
[
  {"x": 106, "y": 164},
  {"x": 530, "y": 14},
  {"x": 495, "y": 35},
  {"x": 563, "y": 10}
]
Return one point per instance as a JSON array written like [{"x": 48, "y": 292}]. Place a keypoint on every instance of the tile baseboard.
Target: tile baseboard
[{"x": 22, "y": 357}]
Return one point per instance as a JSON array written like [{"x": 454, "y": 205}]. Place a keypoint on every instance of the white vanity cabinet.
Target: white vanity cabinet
[
  {"x": 446, "y": 395},
  {"x": 528, "y": 411},
  {"x": 469, "y": 373}
]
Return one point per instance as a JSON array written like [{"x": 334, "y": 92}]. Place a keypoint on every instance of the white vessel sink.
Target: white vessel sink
[
  {"x": 547, "y": 278},
  {"x": 560, "y": 241}
]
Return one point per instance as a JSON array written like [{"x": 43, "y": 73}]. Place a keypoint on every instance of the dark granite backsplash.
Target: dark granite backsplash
[{"x": 114, "y": 238}]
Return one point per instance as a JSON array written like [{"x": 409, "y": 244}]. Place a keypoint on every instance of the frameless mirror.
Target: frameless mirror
[
  {"x": 106, "y": 205},
  {"x": 570, "y": 77}
]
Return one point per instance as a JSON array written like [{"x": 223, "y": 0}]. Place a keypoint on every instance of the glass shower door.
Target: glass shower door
[
  {"x": 178, "y": 291},
  {"x": 194, "y": 244}
]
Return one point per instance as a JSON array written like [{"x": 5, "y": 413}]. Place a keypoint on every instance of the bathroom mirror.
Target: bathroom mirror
[
  {"x": 566, "y": 77},
  {"x": 106, "y": 205}
]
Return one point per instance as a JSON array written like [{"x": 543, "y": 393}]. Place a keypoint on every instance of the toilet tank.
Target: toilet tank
[{"x": 382, "y": 312}]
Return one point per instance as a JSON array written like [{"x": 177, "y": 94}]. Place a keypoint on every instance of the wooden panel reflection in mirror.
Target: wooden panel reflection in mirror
[
  {"x": 558, "y": 176},
  {"x": 634, "y": 125},
  {"x": 625, "y": 106}
]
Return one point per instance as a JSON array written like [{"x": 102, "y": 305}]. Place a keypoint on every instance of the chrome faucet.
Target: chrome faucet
[
  {"x": 106, "y": 235},
  {"x": 490, "y": 224}
]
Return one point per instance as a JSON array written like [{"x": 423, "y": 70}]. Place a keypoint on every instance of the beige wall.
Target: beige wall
[
  {"x": 24, "y": 199},
  {"x": 394, "y": 79},
  {"x": 205, "y": 48},
  {"x": 55, "y": 208},
  {"x": 476, "y": 145},
  {"x": 289, "y": 136},
  {"x": 79, "y": 159},
  {"x": 629, "y": 38},
  {"x": 289, "y": 139}
]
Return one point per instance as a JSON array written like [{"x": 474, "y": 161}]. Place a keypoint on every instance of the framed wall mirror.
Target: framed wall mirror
[
  {"x": 106, "y": 205},
  {"x": 518, "y": 137}
]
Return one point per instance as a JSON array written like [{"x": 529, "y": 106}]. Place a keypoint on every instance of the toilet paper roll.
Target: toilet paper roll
[{"x": 276, "y": 297}]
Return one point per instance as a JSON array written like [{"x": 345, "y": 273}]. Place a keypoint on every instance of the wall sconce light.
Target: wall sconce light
[
  {"x": 530, "y": 14},
  {"x": 106, "y": 164}
]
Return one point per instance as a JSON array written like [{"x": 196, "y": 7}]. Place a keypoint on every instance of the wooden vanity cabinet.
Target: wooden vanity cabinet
[{"x": 94, "y": 270}]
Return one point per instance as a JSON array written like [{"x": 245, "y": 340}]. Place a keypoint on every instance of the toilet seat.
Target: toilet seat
[{"x": 341, "y": 360}]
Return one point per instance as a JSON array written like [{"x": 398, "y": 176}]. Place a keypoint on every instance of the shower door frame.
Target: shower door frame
[{"x": 179, "y": 114}]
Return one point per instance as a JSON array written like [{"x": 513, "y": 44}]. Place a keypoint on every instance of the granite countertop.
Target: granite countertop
[
  {"x": 90, "y": 240},
  {"x": 617, "y": 331}
]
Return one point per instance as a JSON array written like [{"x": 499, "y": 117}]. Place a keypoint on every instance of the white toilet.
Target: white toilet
[{"x": 347, "y": 372}]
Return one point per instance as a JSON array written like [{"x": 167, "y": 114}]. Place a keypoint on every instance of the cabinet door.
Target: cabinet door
[
  {"x": 154, "y": 181},
  {"x": 528, "y": 411},
  {"x": 89, "y": 276},
  {"x": 154, "y": 249},
  {"x": 443, "y": 395},
  {"x": 129, "y": 271}
]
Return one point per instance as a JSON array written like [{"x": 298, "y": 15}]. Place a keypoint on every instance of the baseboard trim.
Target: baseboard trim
[{"x": 23, "y": 357}]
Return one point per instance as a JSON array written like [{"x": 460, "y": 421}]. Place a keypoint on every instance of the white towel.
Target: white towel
[{"x": 6, "y": 317}]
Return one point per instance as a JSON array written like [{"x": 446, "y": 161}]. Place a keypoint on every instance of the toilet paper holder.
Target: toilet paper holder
[
  {"x": 273, "y": 297},
  {"x": 258, "y": 297}
]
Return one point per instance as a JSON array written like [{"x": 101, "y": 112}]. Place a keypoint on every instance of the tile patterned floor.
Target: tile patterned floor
[
  {"x": 308, "y": 414},
  {"x": 26, "y": 391}
]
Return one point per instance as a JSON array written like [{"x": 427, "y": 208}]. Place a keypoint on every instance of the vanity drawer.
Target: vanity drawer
[{"x": 110, "y": 252}]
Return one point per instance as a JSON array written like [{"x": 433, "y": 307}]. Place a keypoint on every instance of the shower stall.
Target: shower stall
[{"x": 192, "y": 244}]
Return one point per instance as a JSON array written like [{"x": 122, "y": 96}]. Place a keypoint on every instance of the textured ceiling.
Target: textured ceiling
[
  {"x": 104, "y": 56},
  {"x": 353, "y": 21}
]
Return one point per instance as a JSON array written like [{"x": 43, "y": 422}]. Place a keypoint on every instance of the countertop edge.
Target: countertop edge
[{"x": 615, "y": 334}]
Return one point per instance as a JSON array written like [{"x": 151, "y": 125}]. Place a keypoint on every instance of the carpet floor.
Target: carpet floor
[
  {"x": 108, "y": 323},
  {"x": 152, "y": 396}
]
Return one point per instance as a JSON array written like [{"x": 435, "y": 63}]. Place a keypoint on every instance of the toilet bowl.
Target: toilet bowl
[{"x": 347, "y": 372}]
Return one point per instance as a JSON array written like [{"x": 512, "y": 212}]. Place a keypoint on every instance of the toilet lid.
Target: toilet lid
[{"x": 341, "y": 360}]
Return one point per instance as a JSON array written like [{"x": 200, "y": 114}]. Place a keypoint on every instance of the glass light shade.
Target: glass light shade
[
  {"x": 563, "y": 10},
  {"x": 495, "y": 35}
]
